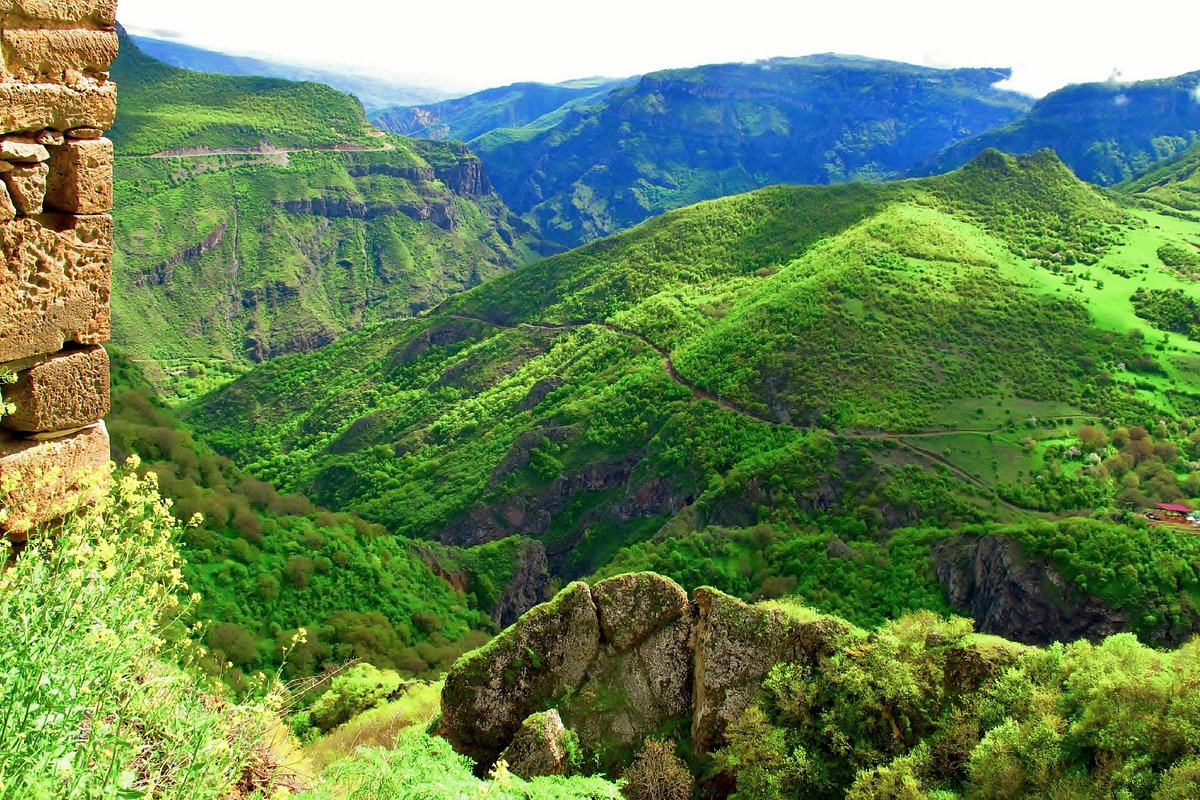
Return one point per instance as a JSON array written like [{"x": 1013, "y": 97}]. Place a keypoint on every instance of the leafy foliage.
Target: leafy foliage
[
  {"x": 879, "y": 718},
  {"x": 268, "y": 564},
  {"x": 420, "y": 766}
]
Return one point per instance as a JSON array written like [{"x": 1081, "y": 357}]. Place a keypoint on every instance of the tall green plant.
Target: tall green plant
[{"x": 92, "y": 703}]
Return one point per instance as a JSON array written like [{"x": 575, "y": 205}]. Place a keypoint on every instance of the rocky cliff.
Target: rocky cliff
[
  {"x": 1023, "y": 597},
  {"x": 621, "y": 660}
]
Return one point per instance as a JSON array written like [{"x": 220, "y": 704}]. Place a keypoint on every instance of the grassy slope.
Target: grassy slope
[
  {"x": 211, "y": 267},
  {"x": 676, "y": 137},
  {"x": 1106, "y": 132},
  {"x": 164, "y": 108},
  {"x": 903, "y": 307}
]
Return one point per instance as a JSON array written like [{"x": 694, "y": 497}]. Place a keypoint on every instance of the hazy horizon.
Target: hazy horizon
[{"x": 483, "y": 45}]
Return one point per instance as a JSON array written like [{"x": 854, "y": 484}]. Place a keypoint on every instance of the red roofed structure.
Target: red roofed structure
[{"x": 1173, "y": 508}]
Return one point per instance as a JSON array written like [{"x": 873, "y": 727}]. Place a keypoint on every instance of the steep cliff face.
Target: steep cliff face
[
  {"x": 1011, "y": 594},
  {"x": 302, "y": 223}
]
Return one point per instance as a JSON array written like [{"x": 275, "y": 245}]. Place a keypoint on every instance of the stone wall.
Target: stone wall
[{"x": 56, "y": 238}]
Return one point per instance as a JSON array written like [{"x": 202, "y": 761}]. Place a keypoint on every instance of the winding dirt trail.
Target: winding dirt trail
[{"x": 899, "y": 438}]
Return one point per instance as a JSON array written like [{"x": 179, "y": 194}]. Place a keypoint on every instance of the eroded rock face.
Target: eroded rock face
[
  {"x": 1018, "y": 597},
  {"x": 658, "y": 664},
  {"x": 546, "y": 655},
  {"x": 55, "y": 274}
]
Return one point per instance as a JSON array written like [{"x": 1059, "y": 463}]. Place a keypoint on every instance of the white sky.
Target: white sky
[{"x": 473, "y": 44}]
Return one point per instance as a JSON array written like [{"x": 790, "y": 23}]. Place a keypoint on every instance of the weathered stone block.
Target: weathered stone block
[
  {"x": 55, "y": 274},
  {"x": 36, "y": 54},
  {"x": 81, "y": 177},
  {"x": 22, "y": 150},
  {"x": 101, "y": 12},
  {"x": 27, "y": 186},
  {"x": 8, "y": 211},
  {"x": 68, "y": 390},
  {"x": 42, "y": 481},
  {"x": 35, "y": 107}
]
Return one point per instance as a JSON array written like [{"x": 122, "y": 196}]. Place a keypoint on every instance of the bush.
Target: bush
[
  {"x": 354, "y": 691},
  {"x": 422, "y": 767},
  {"x": 91, "y": 705},
  {"x": 658, "y": 774}
]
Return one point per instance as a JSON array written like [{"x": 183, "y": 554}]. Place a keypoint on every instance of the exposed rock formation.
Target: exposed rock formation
[
  {"x": 539, "y": 748},
  {"x": 55, "y": 248},
  {"x": 628, "y": 658},
  {"x": 1026, "y": 599}
]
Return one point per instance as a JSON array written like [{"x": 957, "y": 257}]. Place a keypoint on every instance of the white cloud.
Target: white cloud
[{"x": 485, "y": 43}]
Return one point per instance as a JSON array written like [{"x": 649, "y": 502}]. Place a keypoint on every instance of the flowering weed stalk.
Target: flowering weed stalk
[{"x": 92, "y": 700}]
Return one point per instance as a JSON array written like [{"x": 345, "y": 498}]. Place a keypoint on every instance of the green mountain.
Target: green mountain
[
  {"x": 515, "y": 106},
  {"x": 279, "y": 219},
  {"x": 1106, "y": 132},
  {"x": 680, "y": 136},
  {"x": 1174, "y": 183},
  {"x": 373, "y": 91},
  {"x": 836, "y": 363}
]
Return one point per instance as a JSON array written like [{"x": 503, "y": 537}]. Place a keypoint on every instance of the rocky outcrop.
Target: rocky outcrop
[
  {"x": 436, "y": 212},
  {"x": 1019, "y": 597},
  {"x": 540, "y": 747},
  {"x": 736, "y": 646},
  {"x": 56, "y": 239},
  {"x": 162, "y": 272},
  {"x": 493, "y": 690},
  {"x": 646, "y": 661}
]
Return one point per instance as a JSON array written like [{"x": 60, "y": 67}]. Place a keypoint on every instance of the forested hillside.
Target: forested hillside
[
  {"x": 274, "y": 218},
  {"x": 1105, "y": 132},
  {"x": 676, "y": 137},
  {"x": 845, "y": 361}
]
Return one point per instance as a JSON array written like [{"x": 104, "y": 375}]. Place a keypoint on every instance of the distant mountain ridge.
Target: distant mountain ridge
[
  {"x": 1106, "y": 132},
  {"x": 679, "y": 136},
  {"x": 375, "y": 93},
  {"x": 513, "y": 106}
]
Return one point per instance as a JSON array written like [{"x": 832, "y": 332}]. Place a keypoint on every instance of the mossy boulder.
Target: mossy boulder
[
  {"x": 634, "y": 606},
  {"x": 491, "y": 691},
  {"x": 541, "y": 747},
  {"x": 641, "y": 681}
]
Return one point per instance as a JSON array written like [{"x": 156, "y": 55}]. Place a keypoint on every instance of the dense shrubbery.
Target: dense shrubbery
[
  {"x": 267, "y": 564},
  {"x": 421, "y": 766},
  {"x": 1169, "y": 310},
  {"x": 883, "y": 718}
]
